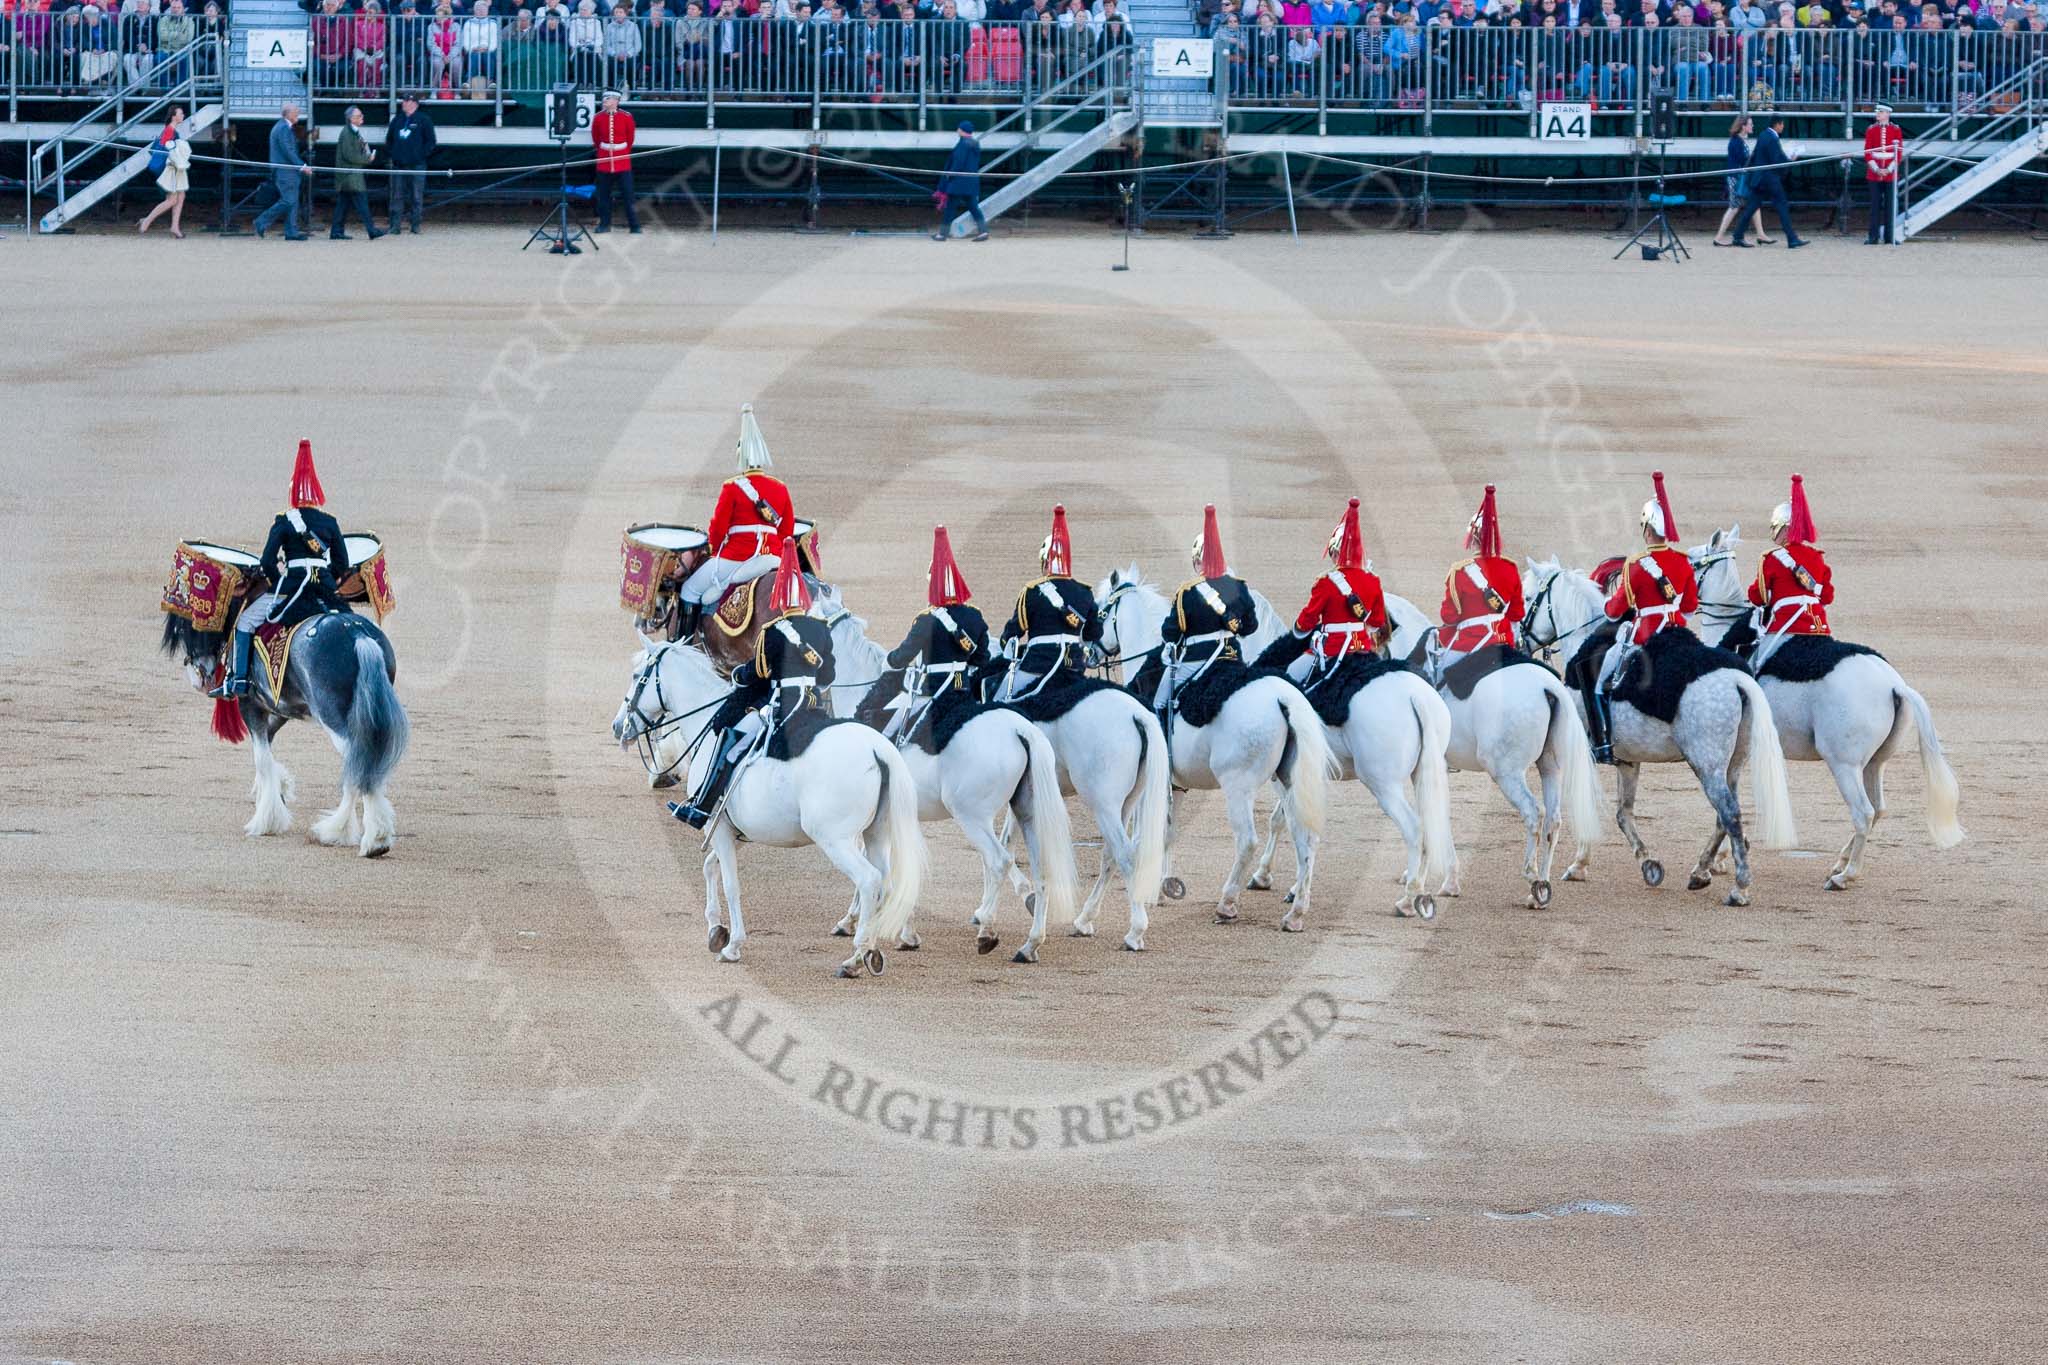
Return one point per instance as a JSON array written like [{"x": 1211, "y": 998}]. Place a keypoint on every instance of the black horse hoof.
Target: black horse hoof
[{"x": 1653, "y": 872}]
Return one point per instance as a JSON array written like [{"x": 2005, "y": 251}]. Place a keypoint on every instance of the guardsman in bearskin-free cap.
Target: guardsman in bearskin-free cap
[
  {"x": 1482, "y": 595},
  {"x": 790, "y": 670},
  {"x": 1656, "y": 592},
  {"x": 1793, "y": 584},
  {"x": 1056, "y": 629},
  {"x": 1210, "y": 615},
  {"x": 305, "y": 558},
  {"x": 1346, "y": 613},
  {"x": 752, "y": 519},
  {"x": 948, "y": 642}
]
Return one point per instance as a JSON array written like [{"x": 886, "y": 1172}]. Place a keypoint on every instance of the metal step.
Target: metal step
[
  {"x": 257, "y": 92},
  {"x": 1973, "y": 181},
  {"x": 1060, "y": 162},
  {"x": 124, "y": 170}
]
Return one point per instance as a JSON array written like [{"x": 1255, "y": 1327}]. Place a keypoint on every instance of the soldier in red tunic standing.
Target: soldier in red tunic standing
[
  {"x": 1656, "y": 593},
  {"x": 1346, "y": 615},
  {"x": 611, "y": 134},
  {"x": 1482, "y": 595},
  {"x": 1793, "y": 584},
  {"x": 1884, "y": 147},
  {"x": 754, "y": 515}
]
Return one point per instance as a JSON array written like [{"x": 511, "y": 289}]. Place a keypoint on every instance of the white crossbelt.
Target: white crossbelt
[
  {"x": 305, "y": 564},
  {"x": 796, "y": 682},
  {"x": 1651, "y": 613},
  {"x": 1206, "y": 638},
  {"x": 945, "y": 668},
  {"x": 744, "y": 530},
  {"x": 1344, "y": 628},
  {"x": 1031, "y": 640},
  {"x": 1488, "y": 620}
]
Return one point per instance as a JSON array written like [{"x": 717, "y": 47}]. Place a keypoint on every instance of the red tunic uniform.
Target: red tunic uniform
[
  {"x": 1794, "y": 587},
  {"x": 1657, "y": 589},
  {"x": 612, "y": 135},
  {"x": 740, "y": 528},
  {"x": 1883, "y": 145},
  {"x": 1347, "y": 606},
  {"x": 1471, "y": 615}
]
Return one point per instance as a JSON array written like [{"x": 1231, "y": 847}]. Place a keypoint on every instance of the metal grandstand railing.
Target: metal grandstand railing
[
  {"x": 183, "y": 77},
  {"x": 1932, "y": 182}
]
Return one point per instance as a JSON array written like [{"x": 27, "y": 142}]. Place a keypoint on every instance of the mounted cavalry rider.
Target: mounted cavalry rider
[
  {"x": 1056, "y": 629},
  {"x": 304, "y": 558},
  {"x": 1346, "y": 615},
  {"x": 790, "y": 670},
  {"x": 752, "y": 520},
  {"x": 1793, "y": 585},
  {"x": 946, "y": 646},
  {"x": 1482, "y": 595},
  {"x": 1210, "y": 615},
  {"x": 1656, "y": 593}
]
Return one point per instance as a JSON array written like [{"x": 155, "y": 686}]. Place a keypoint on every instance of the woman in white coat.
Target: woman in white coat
[{"x": 176, "y": 176}]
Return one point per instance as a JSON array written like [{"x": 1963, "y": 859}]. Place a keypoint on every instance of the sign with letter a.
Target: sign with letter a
[
  {"x": 1557, "y": 122},
  {"x": 1184, "y": 57},
  {"x": 277, "y": 49}
]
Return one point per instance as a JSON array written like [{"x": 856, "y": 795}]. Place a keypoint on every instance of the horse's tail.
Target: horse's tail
[
  {"x": 1574, "y": 754},
  {"x": 377, "y": 727},
  {"x": 1944, "y": 797},
  {"x": 1307, "y": 764},
  {"x": 1044, "y": 812},
  {"x": 1433, "y": 785},
  {"x": 1155, "y": 790},
  {"x": 1767, "y": 760},
  {"x": 902, "y": 841}
]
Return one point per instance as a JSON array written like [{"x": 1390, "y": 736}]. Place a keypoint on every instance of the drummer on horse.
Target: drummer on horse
[
  {"x": 947, "y": 643},
  {"x": 788, "y": 675},
  {"x": 1056, "y": 629},
  {"x": 1793, "y": 584},
  {"x": 305, "y": 558},
  {"x": 1482, "y": 595},
  {"x": 1346, "y": 615},
  {"x": 751, "y": 523}
]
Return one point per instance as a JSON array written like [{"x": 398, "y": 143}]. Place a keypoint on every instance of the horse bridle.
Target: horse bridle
[
  {"x": 652, "y": 731},
  {"x": 1710, "y": 610}
]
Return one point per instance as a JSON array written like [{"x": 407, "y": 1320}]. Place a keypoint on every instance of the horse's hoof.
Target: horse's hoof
[
  {"x": 1081, "y": 931},
  {"x": 1131, "y": 947},
  {"x": 720, "y": 936},
  {"x": 1025, "y": 955},
  {"x": 1575, "y": 873},
  {"x": 1259, "y": 884},
  {"x": 1653, "y": 872},
  {"x": 1290, "y": 925},
  {"x": 841, "y": 931},
  {"x": 985, "y": 946},
  {"x": 376, "y": 850},
  {"x": 1173, "y": 888},
  {"x": 731, "y": 953},
  {"x": 909, "y": 945},
  {"x": 875, "y": 961},
  {"x": 1836, "y": 883},
  {"x": 1400, "y": 910},
  {"x": 1699, "y": 881},
  {"x": 663, "y": 782},
  {"x": 1226, "y": 918},
  {"x": 1736, "y": 898},
  {"x": 1539, "y": 895},
  {"x": 1425, "y": 907},
  {"x": 847, "y": 972}
]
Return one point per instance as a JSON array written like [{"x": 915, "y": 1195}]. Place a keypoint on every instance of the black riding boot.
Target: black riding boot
[
  {"x": 688, "y": 614},
  {"x": 236, "y": 683},
  {"x": 1600, "y": 724},
  {"x": 697, "y": 813}
]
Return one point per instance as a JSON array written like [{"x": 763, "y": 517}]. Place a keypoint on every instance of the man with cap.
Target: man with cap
[
  {"x": 790, "y": 670},
  {"x": 1482, "y": 595},
  {"x": 1346, "y": 615},
  {"x": 305, "y": 557},
  {"x": 1884, "y": 147},
  {"x": 611, "y": 133},
  {"x": 750, "y": 525},
  {"x": 409, "y": 141},
  {"x": 960, "y": 187},
  {"x": 946, "y": 644},
  {"x": 1656, "y": 593},
  {"x": 1793, "y": 584},
  {"x": 1056, "y": 625},
  {"x": 1210, "y": 615}
]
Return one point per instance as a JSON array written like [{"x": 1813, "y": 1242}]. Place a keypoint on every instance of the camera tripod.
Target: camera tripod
[
  {"x": 562, "y": 229},
  {"x": 1663, "y": 239}
]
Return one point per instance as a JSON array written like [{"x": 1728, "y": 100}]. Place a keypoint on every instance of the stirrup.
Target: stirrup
[
  {"x": 1603, "y": 753},
  {"x": 230, "y": 689},
  {"x": 690, "y": 814}
]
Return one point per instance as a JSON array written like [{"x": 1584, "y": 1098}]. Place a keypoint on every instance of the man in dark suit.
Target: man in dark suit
[{"x": 1767, "y": 184}]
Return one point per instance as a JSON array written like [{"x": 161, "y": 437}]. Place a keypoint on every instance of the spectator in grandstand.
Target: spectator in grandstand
[
  {"x": 333, "y": 38},
  {"x": 137, "y": 30},
  {"x": 622, "y": 48},
  {"x": 370, "y": 41},
  {"x": 352, "y": 154},
  {"x": 586, "y": 45},
  {"x": 1691, "y": 58},
  {"x": 1766, "y": 183},
  {"x": 175, "y": 178},
  {"x": 948, "y": 40},
  {"x": 959, "y": 189},
  {"x": 1302, "y": 51},
  {"x": 693, "y": 47},
  {"x": 174, "y": 32},
  {"x": 408, "y": 144},
  {"x": 658, "y": 57},
  {"x": 1365, "y": 73},
  {"x": 1617, "y": 75},
  {"x": 287, "y": 170},
  {"x": 480, "y": 49},
  {"x": 407, "y": 45},
  {"x": 444, "y": 54}
]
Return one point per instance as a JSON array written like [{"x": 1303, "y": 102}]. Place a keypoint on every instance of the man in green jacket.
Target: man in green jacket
[{"x": 351, "y": 154}]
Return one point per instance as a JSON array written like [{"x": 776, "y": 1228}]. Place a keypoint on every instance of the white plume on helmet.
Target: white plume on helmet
[{"x": 753, "y": 448}]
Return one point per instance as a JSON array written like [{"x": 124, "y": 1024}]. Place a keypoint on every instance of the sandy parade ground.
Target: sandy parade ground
[{"x": 489, "y": 1099}]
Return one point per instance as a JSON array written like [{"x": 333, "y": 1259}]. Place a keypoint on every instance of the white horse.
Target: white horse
[
  {"x": 849, "y": 792},
  {"x": 999, "y": 763},
  {"x": 1265, "y": 732},
  {"x": 1852, "y": 718},
  {"x": 1722, "y": 723}
]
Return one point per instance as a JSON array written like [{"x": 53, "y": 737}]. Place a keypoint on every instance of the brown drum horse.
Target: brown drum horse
[{"x": 729, "y": 632}]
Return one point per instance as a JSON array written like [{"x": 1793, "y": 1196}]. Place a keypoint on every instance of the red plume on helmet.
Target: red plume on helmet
[
  {"x": 1213, "y": 565},
  {"x": 1059, "y": 550},
  {"x": 306, "y": 490},
  {"x": 1350, "y": 544},
  {"x": 1483, "y": 536},
  {"x": 947, "y": 587},
  {"x": 791, "y": 593},
  {"x": 1800, "y": 530},
  {"x": 1669, "y": 530}
]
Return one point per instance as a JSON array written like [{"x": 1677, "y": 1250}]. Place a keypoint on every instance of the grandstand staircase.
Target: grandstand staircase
[
  {"x": 1104, "y": 87},
  {"x": 1169, "y": 101},
  {"x": 136, "y": 112},
  {"x": 257, "y": 92},
  {"x": 2003, "y": 143}
]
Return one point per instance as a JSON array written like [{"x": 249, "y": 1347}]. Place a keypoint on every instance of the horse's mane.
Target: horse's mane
[
  {"x": 1130, "y": 575},
  {"x": 182, "y": 642}
]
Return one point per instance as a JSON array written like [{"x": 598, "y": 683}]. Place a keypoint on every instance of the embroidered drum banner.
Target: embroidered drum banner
[
  {"x": 206, "y": 579},
  {"x": 368, "y": 580},
  {"x": 649, "y": 556}
]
